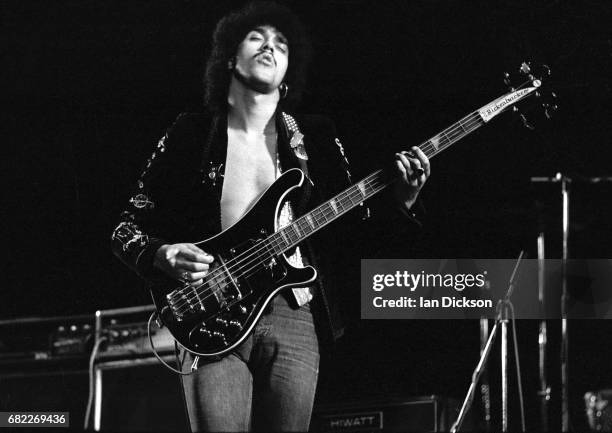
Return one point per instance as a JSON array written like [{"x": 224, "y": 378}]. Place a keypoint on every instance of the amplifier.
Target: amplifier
[
  {"x": 416, "y": 414},
  {"x": 125, "y": 331},
  {"x": 62, "y": 388},
  {"x": 138, "y": 395},
  {"x": 32, "y": 339},
  {"x": 132, "y": 390}
]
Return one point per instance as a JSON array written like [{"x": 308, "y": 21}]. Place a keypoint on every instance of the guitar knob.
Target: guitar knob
[
  {"x": 243, "y": 309},
  {"x": 235, "y": 324},
  {"x": 220, "y": 336}
]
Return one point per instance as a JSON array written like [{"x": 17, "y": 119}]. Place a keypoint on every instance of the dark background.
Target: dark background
[{"x": 90, "y": 86}]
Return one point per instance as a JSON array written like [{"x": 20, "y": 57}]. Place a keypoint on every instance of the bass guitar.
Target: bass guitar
[{"x": 250, "y": 267}]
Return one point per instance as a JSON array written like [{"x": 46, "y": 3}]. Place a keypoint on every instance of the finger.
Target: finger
[
  {"x": 196, "y": 249},
  {"x": 423, "y": 160},
  {"x": 170, "y": 254},
  {"x": 401, "y": 169},
  {"x": 415, "y": 166},
  {"x": 190, "y": 277},
  {"x": 415, "y": 162},
  {"x": 413, "y": 169},
  {"x": 191, "y": 266},
  {"x": 406, "y": 164},
  {"x": 193, "y": 247},
  {"x": 194, "y": 256},
  {"x": 198, "y": 276}
]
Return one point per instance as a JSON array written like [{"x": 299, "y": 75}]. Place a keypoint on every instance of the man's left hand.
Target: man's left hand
[{"x": 413, "y": 171}]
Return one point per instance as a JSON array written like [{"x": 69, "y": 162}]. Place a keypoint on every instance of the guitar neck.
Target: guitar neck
[{"x": 291, "y": 235}]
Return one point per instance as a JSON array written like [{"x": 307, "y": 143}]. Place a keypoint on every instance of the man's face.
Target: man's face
[{"x": 262, "y": 59}]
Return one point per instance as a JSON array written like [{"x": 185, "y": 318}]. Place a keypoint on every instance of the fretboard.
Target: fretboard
[{"x": 294, "y": 233}]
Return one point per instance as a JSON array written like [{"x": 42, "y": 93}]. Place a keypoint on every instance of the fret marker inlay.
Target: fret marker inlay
[
  {"x": 332, "y": 203},
  {"x": 309, "y": 220},
  {"x": 361, "y": 187}
]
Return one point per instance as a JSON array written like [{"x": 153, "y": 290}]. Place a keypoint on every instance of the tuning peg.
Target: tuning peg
[
  {"x": 525, "y": 122},
  {"x": 549, "y": 110},
  {"x": 507, "y": 81},
  {"x": 525, "y": 68}
]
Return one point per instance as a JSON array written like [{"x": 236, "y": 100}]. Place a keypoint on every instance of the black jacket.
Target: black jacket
[{"x": 177, "y": 199}]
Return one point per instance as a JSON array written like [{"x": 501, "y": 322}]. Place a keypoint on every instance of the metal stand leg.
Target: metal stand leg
[
  {"x": 504, "y": 368},
  {"x": 98, "y": 399},
  {"x": 565, "y": 419},
  {"x": 485, "y": 390},
  {"x": 502, "y": 318},
  {"x": 544, "y": 392},
  {"x": 475, "y": 377}
]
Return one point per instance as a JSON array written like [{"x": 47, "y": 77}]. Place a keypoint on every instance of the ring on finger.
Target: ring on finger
[{"x": 185, "y": 276}]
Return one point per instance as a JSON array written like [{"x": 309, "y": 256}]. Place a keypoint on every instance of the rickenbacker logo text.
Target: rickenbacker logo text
[{"x": 489, "y": 111}]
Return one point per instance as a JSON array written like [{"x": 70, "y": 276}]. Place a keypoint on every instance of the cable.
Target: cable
[
  {"x": 164, "y": 363},
  {"x": 518, "y": 366},
  {"x": 92, "y": 359}
]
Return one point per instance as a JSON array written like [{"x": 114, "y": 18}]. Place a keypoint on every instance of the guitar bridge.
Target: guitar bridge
[{"x": 185, "y": 300}]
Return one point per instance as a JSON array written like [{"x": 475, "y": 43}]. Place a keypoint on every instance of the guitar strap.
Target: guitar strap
[
  {"x": 298, "y": 296},
  {"x": 296, "y": 143},
  {"x": 296, "y": 138}
]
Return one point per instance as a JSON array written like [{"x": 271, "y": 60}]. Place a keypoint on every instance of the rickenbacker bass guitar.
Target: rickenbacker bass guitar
[{"x": 250, "y": 267}]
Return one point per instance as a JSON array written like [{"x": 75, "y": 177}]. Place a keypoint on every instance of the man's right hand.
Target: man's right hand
[{"x": 184, "y": 262}]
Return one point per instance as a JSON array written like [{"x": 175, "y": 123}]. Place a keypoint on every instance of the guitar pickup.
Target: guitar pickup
[{"x": 227, "y": 288}]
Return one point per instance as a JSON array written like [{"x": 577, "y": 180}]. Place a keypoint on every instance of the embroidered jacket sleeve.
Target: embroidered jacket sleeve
[{"x": 139, "y": 233}]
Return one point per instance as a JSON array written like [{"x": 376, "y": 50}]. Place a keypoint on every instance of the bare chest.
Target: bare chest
[{"x": 250, "y": 168}]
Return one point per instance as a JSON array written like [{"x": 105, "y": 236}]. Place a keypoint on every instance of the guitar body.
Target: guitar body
[{"x": 213, "y": 318}]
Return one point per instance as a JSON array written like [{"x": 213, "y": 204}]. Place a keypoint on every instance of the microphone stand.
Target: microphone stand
[
  {"x": 501, "y": 319},
  {"x": 544, "y": 392},
  {"x": 565, "y": 182}
]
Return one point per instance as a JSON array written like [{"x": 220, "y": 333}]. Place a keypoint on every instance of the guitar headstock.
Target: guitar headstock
[{"x": 528, "y": 76}]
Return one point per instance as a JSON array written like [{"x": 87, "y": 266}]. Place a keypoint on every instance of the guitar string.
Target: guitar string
[
  {"x": 466, "y": 126},
  {"x": 274, "y": 243},
  {"x": 221, "y": 283},
  {"x": 317, "y": 213},
  {"x": 219, "y": 271},
  {"x": 254, "y": 266}
]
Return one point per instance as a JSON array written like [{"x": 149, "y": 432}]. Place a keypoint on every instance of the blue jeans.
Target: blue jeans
[{"x": 266, "y": 384}]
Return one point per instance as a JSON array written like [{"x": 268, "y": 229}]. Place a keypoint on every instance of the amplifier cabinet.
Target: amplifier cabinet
[
  {"x": 45, "y": 386},
  {"x": 138, "y": 395},
  {"x": 415, "y": 414}
]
